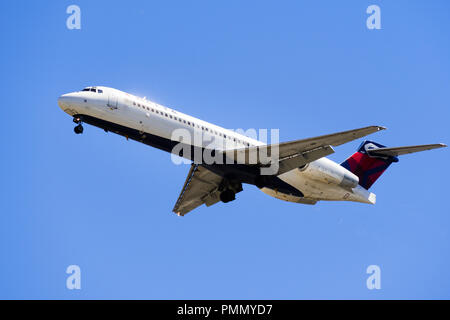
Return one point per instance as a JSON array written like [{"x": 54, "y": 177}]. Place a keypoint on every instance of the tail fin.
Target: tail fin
[{"x": 367, "y": 167}]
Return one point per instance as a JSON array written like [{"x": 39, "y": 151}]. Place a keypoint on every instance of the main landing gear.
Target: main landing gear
[
  {"x": 79, "y": 128},
  {"x": 227, "y": 196},
  {"x": 228, "y": 189}
]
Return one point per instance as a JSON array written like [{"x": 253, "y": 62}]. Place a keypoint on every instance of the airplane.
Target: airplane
[{"x": 303, "y": 173}]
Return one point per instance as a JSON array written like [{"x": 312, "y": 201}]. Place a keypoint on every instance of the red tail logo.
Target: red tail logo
[{"x": 367, "y": 168}]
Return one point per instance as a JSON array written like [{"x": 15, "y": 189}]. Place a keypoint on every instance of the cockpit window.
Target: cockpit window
[{"x": 92, "y": 90}]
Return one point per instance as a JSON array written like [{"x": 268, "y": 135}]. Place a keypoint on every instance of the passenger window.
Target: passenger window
[
  {"x": 100, "y": 91},
  {"x": 93, "y": 90}
]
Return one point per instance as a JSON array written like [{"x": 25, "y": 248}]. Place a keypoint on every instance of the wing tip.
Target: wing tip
[
  {"x": 375, "y": 128},
  {"x": 438, "y": 145}
]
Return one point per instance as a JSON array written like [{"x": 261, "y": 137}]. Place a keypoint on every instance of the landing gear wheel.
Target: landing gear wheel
[
  {"x": 227, "y": 196},
  {"x": 78, "y": 129}
]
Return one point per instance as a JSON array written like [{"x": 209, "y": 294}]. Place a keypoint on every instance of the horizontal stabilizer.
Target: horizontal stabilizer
[
  {"x": 372, "y": 159},
  {"x": 394, "y": 152}
]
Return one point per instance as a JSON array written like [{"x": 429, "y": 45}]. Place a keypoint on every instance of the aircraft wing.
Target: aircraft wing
[
  {"x": 296, "y": 153},
  {"x": 394, "y": 152},
  {"x": 201, "y": 187}
]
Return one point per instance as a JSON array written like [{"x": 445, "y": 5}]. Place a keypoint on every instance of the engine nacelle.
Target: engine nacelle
[{"x": 327, "y": 171}]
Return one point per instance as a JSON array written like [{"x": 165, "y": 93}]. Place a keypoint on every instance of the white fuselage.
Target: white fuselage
[{"x": 322, "y": 179}]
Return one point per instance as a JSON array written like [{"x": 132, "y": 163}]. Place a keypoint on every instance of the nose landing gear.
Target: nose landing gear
[{"x": 79, "y": 128}]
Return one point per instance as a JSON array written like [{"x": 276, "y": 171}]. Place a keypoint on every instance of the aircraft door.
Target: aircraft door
[{"x": 112, "y": 101}]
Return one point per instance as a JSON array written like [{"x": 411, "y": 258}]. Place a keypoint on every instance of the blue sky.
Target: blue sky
[{"x": 305, "y": 67}]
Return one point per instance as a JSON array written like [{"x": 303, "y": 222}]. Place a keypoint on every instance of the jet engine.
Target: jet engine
[{"x": 329, "y": 172}]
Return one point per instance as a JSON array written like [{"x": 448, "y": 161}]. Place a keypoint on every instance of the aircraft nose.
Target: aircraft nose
[{"x": 65, "y": 100}]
